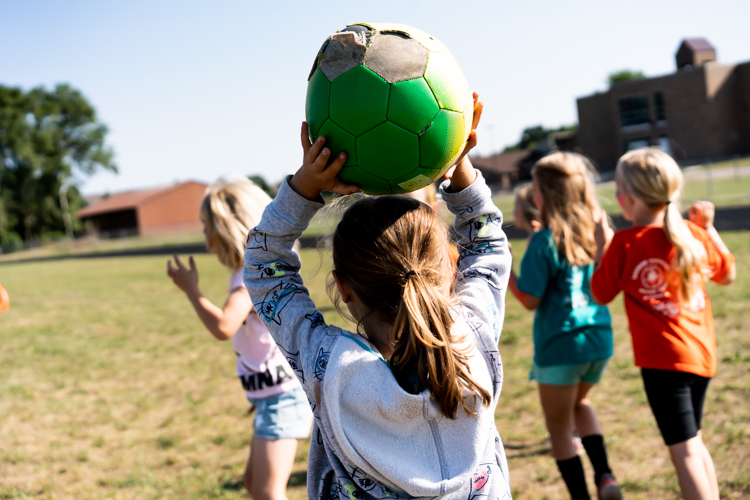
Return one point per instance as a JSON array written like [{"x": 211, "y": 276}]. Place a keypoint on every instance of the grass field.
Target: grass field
[{"x": 112, "y": 389}]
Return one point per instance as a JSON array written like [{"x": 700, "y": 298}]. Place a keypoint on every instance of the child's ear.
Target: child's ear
[{"x": 344, "y": 290}]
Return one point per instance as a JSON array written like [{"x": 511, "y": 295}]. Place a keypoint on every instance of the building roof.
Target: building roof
[
  {"x": 127, "y": 200},
  {"x": 698, "y": 44},
  {"x": 502, "y": 163}
]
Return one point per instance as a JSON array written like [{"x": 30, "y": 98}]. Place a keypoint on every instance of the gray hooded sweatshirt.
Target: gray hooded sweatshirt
[{"x": 372, "y": 439}]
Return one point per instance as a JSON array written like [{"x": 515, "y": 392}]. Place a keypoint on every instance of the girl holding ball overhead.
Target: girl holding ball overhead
[
  {"x": 404, "y": 404},
  {"x": 572, "y": 334},
  {"x": 228, "y": 211},
  {"x": 661, "y": 265}
]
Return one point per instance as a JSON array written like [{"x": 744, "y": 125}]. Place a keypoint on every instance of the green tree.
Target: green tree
[
  {"x": 48, "y": 139},
  {"x": 260, "y": 181},
  {"x": 532, "y": 136},
  {"x": 624, "y": 75}
]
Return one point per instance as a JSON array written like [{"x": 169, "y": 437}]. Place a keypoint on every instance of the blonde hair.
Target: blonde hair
[
  {"x": 653, "y": 177},
  {"x": 392, "y": 252},
  {"x": 229, "y": 210},
  {"x": 525, "y": 201},
  {"x": 566, "y": 183}
]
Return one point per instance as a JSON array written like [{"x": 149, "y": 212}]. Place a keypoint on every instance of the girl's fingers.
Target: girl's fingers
[
  {"x": 449, "y": 173},
  {"x": 315, "y": 150},
  {"x": 191, "y": 261},
  {"x": 340, "y": 187},
  {"x": 335, "y": 167},
  {"x": 178, "y": 262},
  {"x": 478, "y": 108},
  {"x": 322, "y": 160},
  {"x": 305, "y": 138}
]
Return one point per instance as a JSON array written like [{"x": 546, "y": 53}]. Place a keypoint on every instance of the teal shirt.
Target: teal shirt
[{"x": 569, "y": 327}]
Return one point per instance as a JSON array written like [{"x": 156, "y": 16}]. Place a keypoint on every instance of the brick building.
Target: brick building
[
  {"x": 700, "y": 112},
  {"x": 172, "y": 209}
]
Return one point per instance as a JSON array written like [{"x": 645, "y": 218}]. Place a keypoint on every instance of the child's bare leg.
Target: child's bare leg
[
  {"x": 710, "y": 470},
  {"x": 558, "y": 402},
  {"x": 268, "y": 467},
  {"x": 689, "y": 458},
  {"x": 585, "y": 416}
]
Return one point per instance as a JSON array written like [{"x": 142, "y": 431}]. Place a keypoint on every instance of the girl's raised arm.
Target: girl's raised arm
[{"x": 272, "y": 266}]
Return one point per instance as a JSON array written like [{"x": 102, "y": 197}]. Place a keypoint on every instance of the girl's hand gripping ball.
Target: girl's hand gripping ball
[
  {"x": 4, "y": 300},
  {"x": 702, "y": 214}
]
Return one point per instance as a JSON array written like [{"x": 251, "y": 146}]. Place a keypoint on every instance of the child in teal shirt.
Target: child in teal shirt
[{"x": 572, "y": 334}]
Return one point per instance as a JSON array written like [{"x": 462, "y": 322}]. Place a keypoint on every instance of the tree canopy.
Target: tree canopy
[
  {"x": 48, "y": 139},
  {"x": 625, "y": 75},
  {"x": 532, "y": 136}
]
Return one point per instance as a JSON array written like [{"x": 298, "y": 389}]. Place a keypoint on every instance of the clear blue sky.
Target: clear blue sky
[{"x": 194, "y": 89}]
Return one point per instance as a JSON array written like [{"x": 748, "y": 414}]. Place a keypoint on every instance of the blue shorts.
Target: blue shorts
[
  {"x": 590, "y": 372},
  {"x": 284, "y": 416}
]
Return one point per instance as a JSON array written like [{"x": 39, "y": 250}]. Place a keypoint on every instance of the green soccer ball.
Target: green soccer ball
[{"x": 394, "y": 100}]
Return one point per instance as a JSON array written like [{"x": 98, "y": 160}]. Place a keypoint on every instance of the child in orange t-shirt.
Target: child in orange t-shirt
[{"x": 660, "y": 265}]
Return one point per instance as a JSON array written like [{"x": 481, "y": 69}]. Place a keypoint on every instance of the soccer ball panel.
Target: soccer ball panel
[
  {"x": 412, "y": 105},
  {"x": 338, "y": 140},
  {"x": 416, "y": 179},
  {"x": 447, "y": 81},
  {"x": 387, "y": 151},
  {"x": 316, "y": 105},
  {"x": 440, "y": 142},
  {"x": 359, "y": 100},
  {"x": 395, "y": 57},
  {"x": 430, "y": 43},
  {"x": 344, "y": 52},
  {"x": 387, "y": 26},
  {"x": 369, "y": 183}
]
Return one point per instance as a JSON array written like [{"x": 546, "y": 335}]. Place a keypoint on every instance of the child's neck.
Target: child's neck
[
  {"x": 649, "y": 218},
  {"x": 380, "y": 335}
]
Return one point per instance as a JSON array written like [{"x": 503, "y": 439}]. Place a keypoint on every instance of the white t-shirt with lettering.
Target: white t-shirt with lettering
[{"x": 261, "y": 366}]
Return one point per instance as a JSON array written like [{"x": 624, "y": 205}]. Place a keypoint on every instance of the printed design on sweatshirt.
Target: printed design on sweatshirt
[
  {"x": 294, "y": 361},
  {"x": 275, "y": 269},
  {"x": 496, "y": 320},
  {"x": 321, "y": 363},
  {"x": 374, "y": 489},
  {"x": 481, "y": 481},
  {"x": 316, "y": 319},
  {"x": 276, "y": 300},
  {"x": 256, "y": 241},
  {"x": 348, "y": 490},
  {"x": 484, "y": 273},
  {"x": 464, "y": 209},
  {"x": 483, "y": 227},
  {"x": 479, "y": 249}
]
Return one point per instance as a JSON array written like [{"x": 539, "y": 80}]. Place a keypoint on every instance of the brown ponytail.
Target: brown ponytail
[{"x": 392, "y": 252}]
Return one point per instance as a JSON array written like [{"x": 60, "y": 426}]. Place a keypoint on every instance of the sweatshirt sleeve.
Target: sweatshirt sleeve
[
  {"x": 484, "y": 262},
  {"x": 271, "y": 274}
]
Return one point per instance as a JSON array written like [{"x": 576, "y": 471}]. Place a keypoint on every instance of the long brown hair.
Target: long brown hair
[
  {"x": 653, "y": 177},
  {"x": 565, "y": 181},
  {"x": 392, "y": 252}
]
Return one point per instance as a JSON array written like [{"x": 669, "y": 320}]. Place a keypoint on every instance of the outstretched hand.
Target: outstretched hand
[
  {"x": 315, "y": 175},
  {"x": 603, "y": 233},
  {"x": 186, "y": 278}
]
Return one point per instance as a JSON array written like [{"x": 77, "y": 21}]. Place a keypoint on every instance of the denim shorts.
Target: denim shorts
[
  {"x": 283, "y": 416},
  {"x": 590, "y": 372}
]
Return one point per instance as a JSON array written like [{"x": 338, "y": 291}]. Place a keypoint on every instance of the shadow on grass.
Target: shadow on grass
[
  {"x": 528, "y": 450},
  {"x": 298, "y": 478},
  {"x": 233, "y": 485}
]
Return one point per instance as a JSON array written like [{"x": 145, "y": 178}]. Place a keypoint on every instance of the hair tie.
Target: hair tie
[
  {"x": 668, "y": 202},
  {"x": 411, "y": 273}
]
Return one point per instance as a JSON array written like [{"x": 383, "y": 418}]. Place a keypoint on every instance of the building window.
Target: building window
[
  {"x": 663, "y": 144},
  {"x": 659, "y": 112},
  {"x": 636, "y": 144},
  {"x": 634, "y": 110}
]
